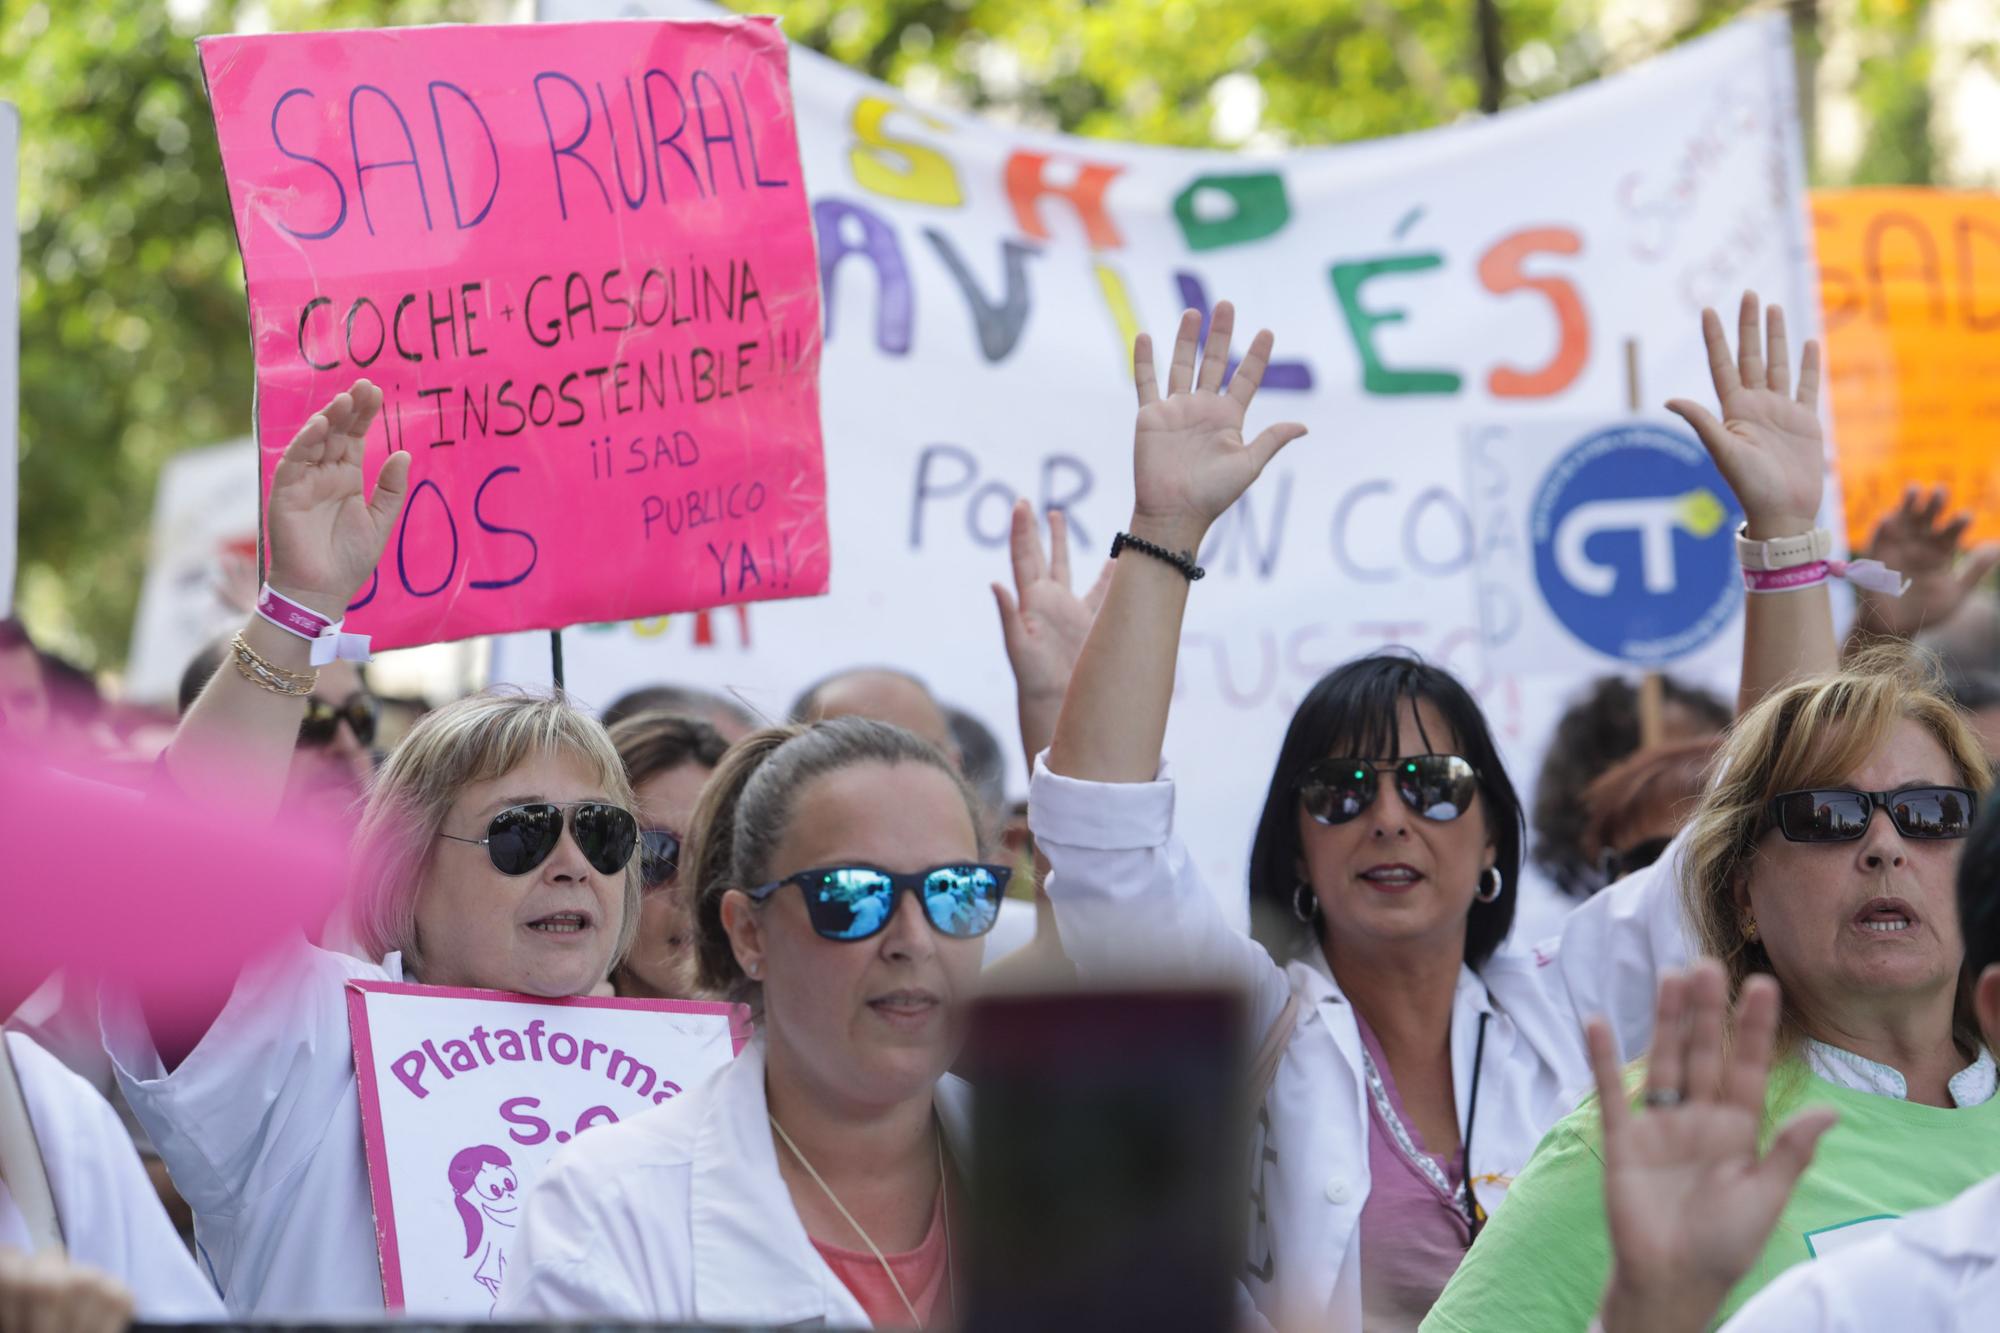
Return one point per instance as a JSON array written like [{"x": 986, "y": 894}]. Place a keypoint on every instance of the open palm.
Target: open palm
[
  {"x": 1768, "y": 445},
  {"x": 326, "y": 533},
  {"x": 1190, "y": 462},
  {"x": 1918, "y": 542},
  {"x": 1689, "y": 1199},
  {"x": 1043, "y": 620}
]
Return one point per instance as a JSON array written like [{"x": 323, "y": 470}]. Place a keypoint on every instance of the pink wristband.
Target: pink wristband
[
  {"x": 328, "y": 642},
  {"x": 288, "y": 615},
  {"x": 1786, "y": 580}
]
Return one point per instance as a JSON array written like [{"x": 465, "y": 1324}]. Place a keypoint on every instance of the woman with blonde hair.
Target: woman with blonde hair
[
  {"x": 496, "y": 850},
  {"x": 1823, "y": 854}
]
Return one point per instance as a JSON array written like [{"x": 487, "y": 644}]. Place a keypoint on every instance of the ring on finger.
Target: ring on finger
[{"x": 1659, "y": 1099}]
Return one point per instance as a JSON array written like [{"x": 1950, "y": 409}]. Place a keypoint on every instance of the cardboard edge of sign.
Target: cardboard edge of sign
[{"x": 388, "y": 1254}]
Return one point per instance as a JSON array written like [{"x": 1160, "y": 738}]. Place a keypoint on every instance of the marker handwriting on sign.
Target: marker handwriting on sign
[{"x": 566, "y": 253}]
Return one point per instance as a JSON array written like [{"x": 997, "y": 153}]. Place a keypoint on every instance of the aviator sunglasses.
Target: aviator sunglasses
[
  {"x": 659, "y": 857},
  {"x": 856, "y": 902},
  {"x": 522, "y": 836},
  {"x": 1437, "y": 786},
  {"x": 1839, "y": 814},
  {"x": 323, "y": 719}
]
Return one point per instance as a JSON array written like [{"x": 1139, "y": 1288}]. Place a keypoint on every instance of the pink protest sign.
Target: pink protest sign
[
  {"x": 578, "y": 260},
  {"x": 466, "y": 1094}
]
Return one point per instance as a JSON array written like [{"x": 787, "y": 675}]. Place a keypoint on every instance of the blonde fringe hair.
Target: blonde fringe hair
[
  {"x": 472, "y": 740},
  {"x": 1809, "y": 734}
]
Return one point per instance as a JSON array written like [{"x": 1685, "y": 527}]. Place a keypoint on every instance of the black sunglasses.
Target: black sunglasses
[
  {"x": 1615, "y": 864},
  {"x": 323, "y": 719},
  {"x": 659, "y": 857},
  {"x": 1439, "y": 787},
  {"x": 856, "y": 902},
  {"x": 522, "y": 836},
  {"x": 1838, "y": 814}
]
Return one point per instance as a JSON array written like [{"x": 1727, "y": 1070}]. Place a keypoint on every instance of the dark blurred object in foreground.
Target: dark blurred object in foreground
[{"x": 1107, "y": 1182}]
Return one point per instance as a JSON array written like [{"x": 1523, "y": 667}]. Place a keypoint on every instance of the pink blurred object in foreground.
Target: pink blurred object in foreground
[{"x": 149, "y": 888}]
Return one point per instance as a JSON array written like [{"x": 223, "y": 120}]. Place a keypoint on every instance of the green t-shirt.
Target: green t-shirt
[{"x": 1541, "y": 1264}]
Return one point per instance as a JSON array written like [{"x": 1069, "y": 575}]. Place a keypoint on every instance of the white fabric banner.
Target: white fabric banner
[
  {"x": 983, "y": 282},
  {"x": 465, "y": 1095},
  {"x": 204, "y": 533}
]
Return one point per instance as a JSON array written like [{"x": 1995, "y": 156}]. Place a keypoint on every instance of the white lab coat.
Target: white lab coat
[
  {"x": 111, "y": 1218},
  {"x": 260, "y": 1128},
  {"x": 681, "y": 1216},
  {"x": 1937, "y": 1270},
  {"x": 1128, "y": 897}
]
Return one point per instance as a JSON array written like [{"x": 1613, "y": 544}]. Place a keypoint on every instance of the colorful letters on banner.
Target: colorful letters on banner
[{"x": 578, "y": 261}]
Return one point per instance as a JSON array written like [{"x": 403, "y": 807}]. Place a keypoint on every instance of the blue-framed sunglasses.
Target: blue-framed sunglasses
[{"x": 856, "y": 902}]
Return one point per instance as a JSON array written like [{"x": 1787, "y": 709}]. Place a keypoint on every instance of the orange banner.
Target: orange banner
[{"x": 1910, "y": 286}]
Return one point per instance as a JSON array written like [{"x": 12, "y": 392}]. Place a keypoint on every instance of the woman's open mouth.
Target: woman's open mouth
[
  {"x": 561, "y": 923},
  {"x": 1885, "y": 916}
]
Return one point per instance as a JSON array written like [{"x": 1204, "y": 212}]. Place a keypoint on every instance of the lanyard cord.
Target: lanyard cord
[
  {"x": 944, "y": 1203},
  {"x": 1474, "y": 1214}
]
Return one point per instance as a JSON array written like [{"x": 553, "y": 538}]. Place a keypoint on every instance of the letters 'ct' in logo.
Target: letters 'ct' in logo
[{"x": 1634, "y": 539}]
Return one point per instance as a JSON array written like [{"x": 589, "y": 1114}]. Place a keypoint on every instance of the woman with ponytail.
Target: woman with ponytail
[{"x": 813, "y": 1178}]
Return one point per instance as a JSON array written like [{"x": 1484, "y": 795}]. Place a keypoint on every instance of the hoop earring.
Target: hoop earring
[
  {"x": 1491, "y": 886},
  {"x": 1305, "y": 905}
]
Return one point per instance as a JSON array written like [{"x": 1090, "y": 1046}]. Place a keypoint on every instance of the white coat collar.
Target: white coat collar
[{"x": 753, "y": 1261}]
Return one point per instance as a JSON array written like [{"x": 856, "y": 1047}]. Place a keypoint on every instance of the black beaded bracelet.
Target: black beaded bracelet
[{"x": 1181, "y": 560}]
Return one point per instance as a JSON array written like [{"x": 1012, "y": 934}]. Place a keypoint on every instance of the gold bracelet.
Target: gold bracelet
[{"x": 268, "y": 675}]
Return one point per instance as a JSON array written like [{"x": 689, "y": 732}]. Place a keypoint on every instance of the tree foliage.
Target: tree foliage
[{"x": 133, "y": 337}]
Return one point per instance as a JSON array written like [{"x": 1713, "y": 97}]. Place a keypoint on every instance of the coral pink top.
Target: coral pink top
[{"x": 924, "y": 1273}]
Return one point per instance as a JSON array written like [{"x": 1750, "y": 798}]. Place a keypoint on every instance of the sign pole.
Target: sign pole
[
  {"x": 555, "y": 658},
  {"x": 1652, "y": 691}
]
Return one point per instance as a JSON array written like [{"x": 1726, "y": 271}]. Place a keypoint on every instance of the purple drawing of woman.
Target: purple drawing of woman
[{"x": 482, "y": 1185}]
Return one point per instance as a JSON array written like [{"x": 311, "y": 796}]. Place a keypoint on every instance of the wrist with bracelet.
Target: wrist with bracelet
[
  {"x": 1789, "y": 564},
  {"x": 1180, "y": 560},
  {"x": 328, "y": 643}
]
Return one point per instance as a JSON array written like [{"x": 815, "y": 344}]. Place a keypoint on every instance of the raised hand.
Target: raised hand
[
  {"x": 326, "y": 534},
  {"x": 1043, "y": 620},
  {"x": 1044, "y": 623},
  {"x": 1189, "y": 459},
  {"x": 1917, "y": 543},
  {"x": 1768, "y": 444},
  {"x": 1689, "y": 1199}
]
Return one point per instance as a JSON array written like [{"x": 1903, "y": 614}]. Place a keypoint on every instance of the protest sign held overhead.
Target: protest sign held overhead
[
  {"x": 466, "y": 1094},
  {"x": 578, "y": 262},
  {"x": 1910, "y": 285}
]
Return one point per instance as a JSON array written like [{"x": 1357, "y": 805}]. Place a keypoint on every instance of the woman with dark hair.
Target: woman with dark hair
[
  {"x": 1409, "y": 1065},
  {"x": 668, "y": 759}
]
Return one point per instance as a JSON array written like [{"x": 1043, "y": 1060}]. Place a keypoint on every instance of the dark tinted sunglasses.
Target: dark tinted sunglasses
[
  {"x": 323, "y": 719},
  {"x": 522, "y": 836},
  {"x": 1837, "y": 814},
  {"x": 1439, "y": 787},
  {"x": 855, "y": 902},
  {"x": 1617, "y": 864},
  {"x": 659, "y": 857}
]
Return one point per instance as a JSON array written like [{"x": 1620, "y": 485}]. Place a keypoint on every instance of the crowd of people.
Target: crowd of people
[{"x": 1758, "y": 1030}]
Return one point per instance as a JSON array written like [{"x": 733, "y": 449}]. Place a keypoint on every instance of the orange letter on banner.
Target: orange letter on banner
[
  {"x": 898, "y": 168},
  {"x": 1500, "y": 273},
  {"x": 1027, "y": 183}
]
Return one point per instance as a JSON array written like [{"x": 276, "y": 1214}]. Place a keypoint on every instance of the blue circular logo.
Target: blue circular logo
[{"x": 1634, "y": 535}]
